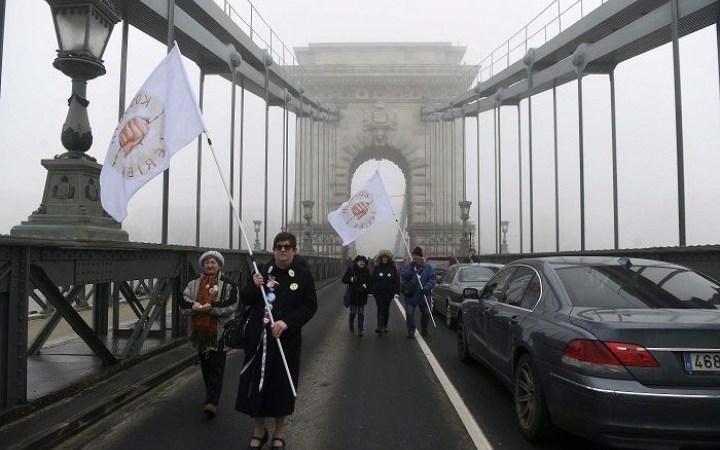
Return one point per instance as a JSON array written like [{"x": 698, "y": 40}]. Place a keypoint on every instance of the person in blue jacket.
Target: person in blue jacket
[{"x": 421, "y": 298}]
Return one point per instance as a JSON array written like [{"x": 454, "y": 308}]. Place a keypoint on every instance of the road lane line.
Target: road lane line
[{"x": 478, "y": 437}]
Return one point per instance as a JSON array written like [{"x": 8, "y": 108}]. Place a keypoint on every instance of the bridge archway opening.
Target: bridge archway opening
[{"x": 383, "y": 236}]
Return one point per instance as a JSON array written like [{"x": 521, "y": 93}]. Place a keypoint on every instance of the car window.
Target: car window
[
  {"x": 532, "y": 293},
  {"x": 437, "y": 264},
  {"x": 639, "y": 287},
  {"x": 448, "y": 276},
  {"x": 476, "y": 273},
  {"x": 517, "y": 286},
  {"x": 493, "y": 290}
]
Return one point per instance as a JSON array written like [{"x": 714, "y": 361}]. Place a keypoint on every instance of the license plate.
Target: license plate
[{"x": 702, "y": 362}]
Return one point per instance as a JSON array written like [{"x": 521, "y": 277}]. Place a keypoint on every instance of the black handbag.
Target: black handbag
[
  {"x": 346, "y": 298},
  {"x": 407, "y": 288},
  {"x": 235, "y": 332}
]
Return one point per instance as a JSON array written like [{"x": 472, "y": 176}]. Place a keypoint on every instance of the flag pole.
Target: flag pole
[
  {"x": 407, "y": 247},
  {"x": 247, "y": 242}
]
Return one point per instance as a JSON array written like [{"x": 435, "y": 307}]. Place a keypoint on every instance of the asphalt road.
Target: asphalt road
[{"x": 374, "y": 392}]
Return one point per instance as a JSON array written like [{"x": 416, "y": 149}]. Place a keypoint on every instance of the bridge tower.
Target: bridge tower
[{"x": 379, "y": 90}]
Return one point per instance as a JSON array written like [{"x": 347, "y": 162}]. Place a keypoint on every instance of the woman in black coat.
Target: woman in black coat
[
  {"x": 264, "y": 389},
  {"x": 359, "y": 281},
  {"x": 386, "y": 286}
]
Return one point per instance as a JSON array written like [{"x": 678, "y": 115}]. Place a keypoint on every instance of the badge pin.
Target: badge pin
[
  {"x": 291, "y": 273},
  {"x": 293, "y": 287}
]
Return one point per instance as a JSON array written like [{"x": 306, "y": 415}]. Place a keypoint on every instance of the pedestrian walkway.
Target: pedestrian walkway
[{"x": 65, "y": 359}]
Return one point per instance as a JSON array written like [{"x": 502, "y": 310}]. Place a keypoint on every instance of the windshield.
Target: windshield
[
  {"x": 437, "y": 264},
  {"x": 639, "y": 287},
  {"x": 476, "y": 273}
]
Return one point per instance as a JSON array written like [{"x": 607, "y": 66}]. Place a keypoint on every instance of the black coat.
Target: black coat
[
  {"x": 295, "y": 304},
  {"x": 385, "y": 281},
  {"x": 361, "y": 285}
]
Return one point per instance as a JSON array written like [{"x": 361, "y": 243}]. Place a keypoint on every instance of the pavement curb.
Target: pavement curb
[{"x": 70, "y": 426}]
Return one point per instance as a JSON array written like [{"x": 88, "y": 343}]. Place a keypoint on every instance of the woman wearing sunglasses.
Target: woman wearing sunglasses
[{"x": 264, "y": 386}]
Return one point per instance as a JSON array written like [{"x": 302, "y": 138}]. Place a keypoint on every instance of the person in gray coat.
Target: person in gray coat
[{"x": 209, "y": 301}]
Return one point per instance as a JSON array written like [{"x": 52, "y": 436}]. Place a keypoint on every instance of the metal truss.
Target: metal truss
[{"x": 60, "y": 273}]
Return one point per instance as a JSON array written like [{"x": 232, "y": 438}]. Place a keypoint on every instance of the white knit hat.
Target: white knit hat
[{"x": 214, "y": 254}]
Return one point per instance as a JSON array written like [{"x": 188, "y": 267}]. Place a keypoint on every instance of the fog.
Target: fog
[{"x": 33, "y": 105}]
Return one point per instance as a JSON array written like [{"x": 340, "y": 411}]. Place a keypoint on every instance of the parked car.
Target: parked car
[
  {"x": 447, "y": 295},
  {"x": 625, "y": 352}
]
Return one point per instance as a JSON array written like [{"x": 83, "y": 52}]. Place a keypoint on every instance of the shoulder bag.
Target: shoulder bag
[{"x": 234, "y": 332}]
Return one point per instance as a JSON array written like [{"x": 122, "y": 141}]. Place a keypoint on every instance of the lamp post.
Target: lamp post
[
  {"x": 83, "y": 30},
  {"x": 504, "y": 227},
  {"x": 464, "y": 216},
  {"x": 70, "y": 206},
  {"x": 308, "y": 236},
  {"x": 471, "y": 234},
  {"x": 256, "y": 226}
]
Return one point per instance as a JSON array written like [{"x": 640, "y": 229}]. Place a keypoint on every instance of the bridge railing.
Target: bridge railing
[
  {"x": 256, "y": 27},
  {"x": 703, "y": 258},
  {"x": 56, "y": 271},
  {"x": 551, "y": 21}
]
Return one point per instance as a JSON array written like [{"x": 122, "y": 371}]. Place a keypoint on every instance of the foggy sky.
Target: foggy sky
[{"x": 33, "y": 105}]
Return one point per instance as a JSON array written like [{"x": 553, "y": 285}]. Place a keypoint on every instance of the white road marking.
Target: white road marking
[{"x": 478, "y": 437}]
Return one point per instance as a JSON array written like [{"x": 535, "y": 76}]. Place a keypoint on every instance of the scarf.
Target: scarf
[{"x": 204, "y": 326}]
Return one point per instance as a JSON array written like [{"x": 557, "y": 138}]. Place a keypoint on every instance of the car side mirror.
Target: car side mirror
[{"x": 470, "y": 293}]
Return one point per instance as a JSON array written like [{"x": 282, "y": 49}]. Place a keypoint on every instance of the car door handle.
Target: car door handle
[
  {"x": 514, "y": 320},
  {"x": 486, "y": 310}
]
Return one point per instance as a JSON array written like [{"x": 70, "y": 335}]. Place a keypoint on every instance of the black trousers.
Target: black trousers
[
  {"x": 212, "y": 364},
  {"x": 383, "y": 310}
]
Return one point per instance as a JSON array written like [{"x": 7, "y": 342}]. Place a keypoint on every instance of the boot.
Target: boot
[
  {"x": 378, "y": 330},
  {"x": 352, "y": 322}
]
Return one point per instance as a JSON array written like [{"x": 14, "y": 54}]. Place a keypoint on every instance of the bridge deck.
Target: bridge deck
[{"x": 373, "y": 390}]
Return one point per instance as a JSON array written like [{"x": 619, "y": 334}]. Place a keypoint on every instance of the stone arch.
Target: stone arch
[
  {"x": 408, "y": 155},
  {"x": 379, "y": 108}
]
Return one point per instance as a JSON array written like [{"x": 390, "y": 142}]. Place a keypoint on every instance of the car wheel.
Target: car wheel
[
  {"x": 463, "y": 348},
  {"x": 448, "y": 316},
  {"x": 530, "y": 407}
]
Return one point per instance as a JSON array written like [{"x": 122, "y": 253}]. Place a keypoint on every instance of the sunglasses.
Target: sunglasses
[{"x": 286, "y": 247}]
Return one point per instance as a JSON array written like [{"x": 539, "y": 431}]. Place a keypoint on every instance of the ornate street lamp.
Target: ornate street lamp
[
  {"x": 256, "y": 226},
  {"x": 70, "y": 206},
  {"x": 308, "y": 236},
  {"x": 504, "y": 228},
  {"x": 464, "y": 216},
  {"x": 83, "y": 30}
]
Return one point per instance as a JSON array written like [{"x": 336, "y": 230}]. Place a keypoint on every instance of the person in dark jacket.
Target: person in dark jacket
[
  {"x": 386, "y": 286},
  {"x": 423, "y": 286},
  {"x": 209, "y": 301},
  {"x": 265, "y": 390},
  {"x": 472, "y": 257},
  {"x": 359, "y": 281}
]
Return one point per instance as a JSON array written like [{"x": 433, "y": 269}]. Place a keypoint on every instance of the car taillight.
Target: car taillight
[
  {"x": 607, "y": 356},
  {"x": 632, "y": 355}
]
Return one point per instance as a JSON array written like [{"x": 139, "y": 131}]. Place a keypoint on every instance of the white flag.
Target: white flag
[
  {"x": 367, "y": 207},
  {"x": 161, "y": 119}
]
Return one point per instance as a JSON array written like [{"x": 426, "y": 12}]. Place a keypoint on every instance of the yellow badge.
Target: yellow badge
[{"x": 293, "y": 287}]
